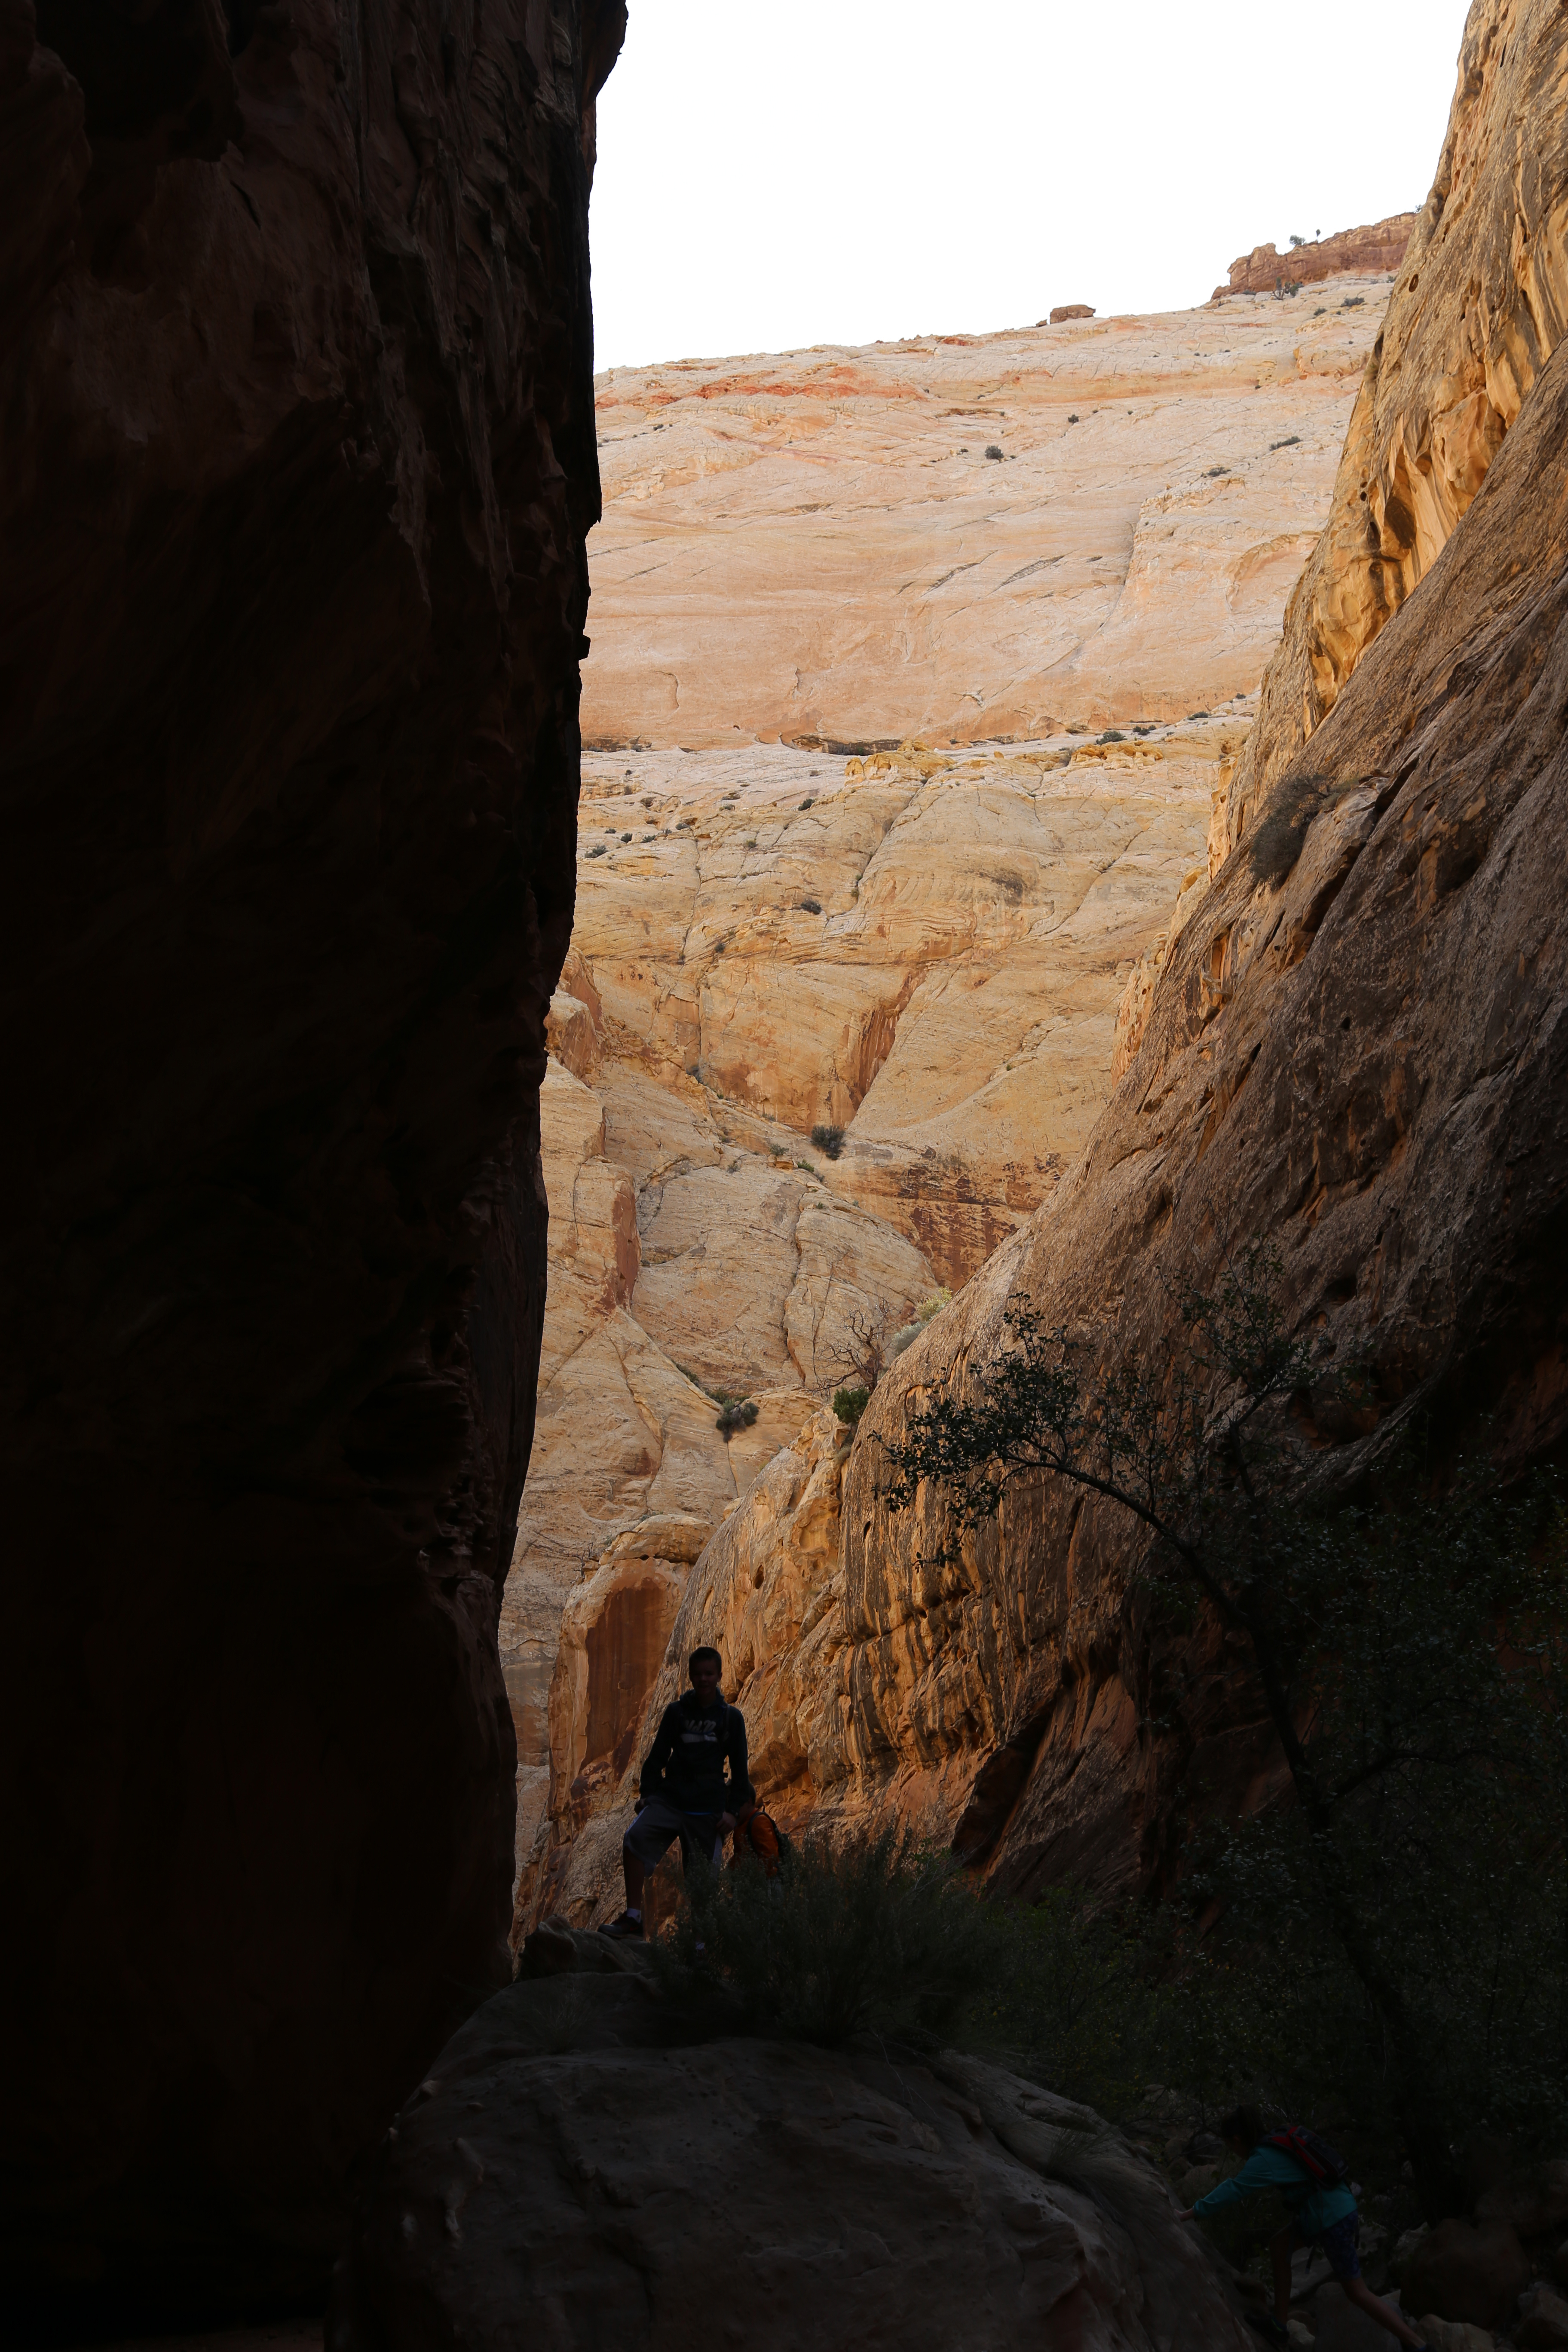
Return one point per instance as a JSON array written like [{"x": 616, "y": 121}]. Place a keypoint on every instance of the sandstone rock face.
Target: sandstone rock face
[
  {"x": 925, "y": 950},
  {"x": 1378, "y": 248},
  {"x": 767, "y": 1594},
  {"x": 561, "y": 2171},
  {"x": 1354, "y": 1048},
  {"x": 815, "y": 547},
  {"x": 298, "y": 463},
  {"x": 1480, "y": 304},
  {"x": 688, "y": 1261},
  {"x": 921, "y": 947}
]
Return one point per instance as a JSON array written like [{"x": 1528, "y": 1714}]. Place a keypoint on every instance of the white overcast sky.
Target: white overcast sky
[{"x": 836, "y": 171}]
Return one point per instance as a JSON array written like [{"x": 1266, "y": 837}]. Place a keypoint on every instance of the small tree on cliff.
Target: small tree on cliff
[{"x": 1406, "y": 1647}]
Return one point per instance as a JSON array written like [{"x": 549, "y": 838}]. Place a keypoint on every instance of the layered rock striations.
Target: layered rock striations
[
  {"x": 1480, "y": 306},
  {"x": 924, "y": 951},
  {"x": 1349, "y": 1042},
  {"x": 1376, "y": 246},
  {"x": 298, "y": 461},
  {"x": 964, "y": 537},
  {"x": 1355, "y": 1050},
  {"x": 917, "y": 947}
]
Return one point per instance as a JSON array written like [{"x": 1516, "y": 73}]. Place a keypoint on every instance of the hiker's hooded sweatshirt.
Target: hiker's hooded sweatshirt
[
  {"x": 1311, "y": 2206},
  {"x": 685, "y": 1763}
]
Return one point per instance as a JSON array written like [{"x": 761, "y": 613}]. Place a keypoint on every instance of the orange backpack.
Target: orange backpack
[{"x": 758, "y": 1838}]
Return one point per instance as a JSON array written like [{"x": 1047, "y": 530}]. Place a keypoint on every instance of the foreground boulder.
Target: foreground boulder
[
  {"x": 1467, "y": 2270},
  {"x": 573, "y": 2173}
]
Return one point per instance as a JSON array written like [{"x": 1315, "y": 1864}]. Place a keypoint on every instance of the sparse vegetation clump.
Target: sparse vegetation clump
[
  {"x": 906, "y": 1335},
  {"x": 868, "y": 1939},
  {"x": 849, "y": 1404},
  {"x": 735, "y": 1413},
  {"x": 810, "y": 906},
  {"x": 829, "y": 1140}
]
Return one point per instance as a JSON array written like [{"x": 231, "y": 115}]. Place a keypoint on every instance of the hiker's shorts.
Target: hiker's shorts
[
  {"x": 1339, "y": 2244},
  {"x": 659, "y": 1823}
]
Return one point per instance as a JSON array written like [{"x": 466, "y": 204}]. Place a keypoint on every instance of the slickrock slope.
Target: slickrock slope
[
  {"x": 298, "y": 466},
  {"x": 1379, "y": 246},
  {"x": 929, "y": 952},
  {"x": 816, "y": 543},
  {"x": 923, "y": 946},
  {"x": 1358, "y": 1048},
  {"x": 1352, "y": 1041},
  {"x": 569, "y": 2156},
  {"x": 1481, "y": 305}
]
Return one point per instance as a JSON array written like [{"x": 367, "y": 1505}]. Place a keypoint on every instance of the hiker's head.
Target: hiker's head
[
  {"x": 705, "y": 1666},
  {"x": 1243, "y": 2129}
]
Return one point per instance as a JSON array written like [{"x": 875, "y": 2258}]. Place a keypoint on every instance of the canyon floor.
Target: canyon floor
[{"x": 900, "y": 756}]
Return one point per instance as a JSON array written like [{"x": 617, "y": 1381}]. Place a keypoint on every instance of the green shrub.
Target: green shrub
[
  {"x": 738, "y": 1413},
  {"x": 870, "y": 1940},
  {"x": 1076, "y": 2002},
  {"x": 850, "y": 1404},
  {"x": 829, "y": 1140}
]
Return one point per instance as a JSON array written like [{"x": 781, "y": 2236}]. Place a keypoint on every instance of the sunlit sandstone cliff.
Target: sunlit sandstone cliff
[
  {"x": 817, "y": 544},
  {"x": 927, "y": 952},
  {"x": 1353, "y": 1042},
  {"x": 1376, "y": 246},
  {"x": 923, "y": 946},
  {"x": 1478, "y": 306}
]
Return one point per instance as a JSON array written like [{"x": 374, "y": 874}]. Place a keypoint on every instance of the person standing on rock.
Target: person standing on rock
[
  {"x": 1322, "y": 2213},
  {"x": 684, "y": 1791}
]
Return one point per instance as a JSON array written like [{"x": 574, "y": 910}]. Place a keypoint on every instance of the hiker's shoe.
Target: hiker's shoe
[{"x": 625, "y": 1926}]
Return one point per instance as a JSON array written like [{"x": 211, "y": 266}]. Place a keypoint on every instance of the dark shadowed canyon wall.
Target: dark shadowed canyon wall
[{"x": 297, "y": 460}]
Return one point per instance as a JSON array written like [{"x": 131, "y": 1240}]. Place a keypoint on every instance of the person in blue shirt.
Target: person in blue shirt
[{"x": 1322, "y": 2214}]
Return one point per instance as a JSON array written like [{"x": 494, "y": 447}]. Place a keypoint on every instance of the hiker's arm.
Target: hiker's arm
[
  {"x": 651, "y": 1780},
  {"x": 1256, "y": 2173}
]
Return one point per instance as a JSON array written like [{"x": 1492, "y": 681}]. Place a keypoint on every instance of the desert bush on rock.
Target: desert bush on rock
[
  {"x": 1408, "y": 1648},
  {"x": 829, "y": 1140},
  {"x": 870, "y": 1939},
  {"x": 849, "y": 1404},
  {"x": 908, "y": 1333}
]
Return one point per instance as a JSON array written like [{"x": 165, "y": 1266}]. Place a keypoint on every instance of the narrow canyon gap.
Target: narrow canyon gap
[{"x": 297, "y": 430}]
